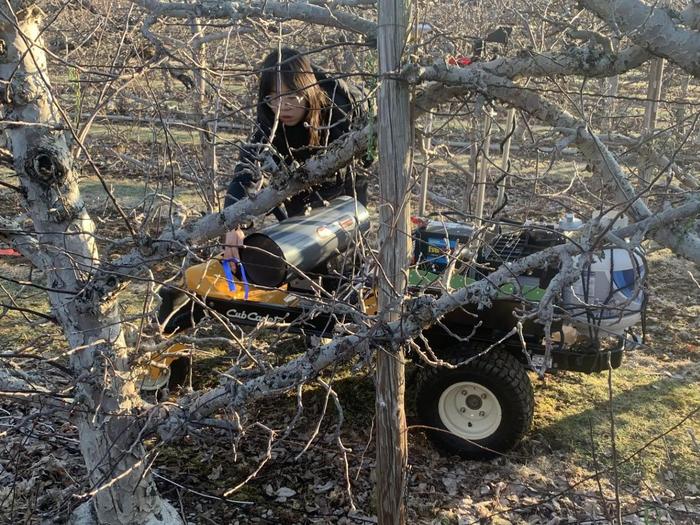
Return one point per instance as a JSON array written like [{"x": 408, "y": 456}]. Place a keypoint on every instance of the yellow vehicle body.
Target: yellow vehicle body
[{"x": 208, "y": 282}]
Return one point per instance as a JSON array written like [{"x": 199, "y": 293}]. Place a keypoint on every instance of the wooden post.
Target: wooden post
[
  {"x": 612, "y": 86},
  {"x": 611, "y": 89},
  {"x": 681, "y": 111},
  {"x": 427, "y": 143},
  {"x": 394, "y": 141},
  {"x": 656, "y": 75},
  {"x": 510, "y": 129},
  {"x": 207, "y": 135},
  {"x": 470, "y": 176},
  {"x": 483, "y": 168}
]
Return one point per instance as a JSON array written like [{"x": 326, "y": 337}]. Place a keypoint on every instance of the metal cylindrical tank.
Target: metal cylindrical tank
[{"x": 269, "y": 255}]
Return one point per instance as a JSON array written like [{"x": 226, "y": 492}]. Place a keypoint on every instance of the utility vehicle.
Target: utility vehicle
[{"x": 482, "y": 407}]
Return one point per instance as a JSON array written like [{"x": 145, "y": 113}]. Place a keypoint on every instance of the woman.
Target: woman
[{"x": 300, "y": 112}]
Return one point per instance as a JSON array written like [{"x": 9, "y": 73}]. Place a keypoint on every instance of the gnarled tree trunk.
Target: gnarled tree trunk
[{"x": 122, "y": 490}]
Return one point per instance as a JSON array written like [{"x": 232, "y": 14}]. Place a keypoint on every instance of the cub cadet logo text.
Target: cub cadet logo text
[{"x": 254, "y": 317}]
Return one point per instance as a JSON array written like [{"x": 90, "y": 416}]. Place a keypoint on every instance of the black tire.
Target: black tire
[
  {"x": 167, "y": 303},
  {"x": 474, "y": 395},
  {"x": 187, "y": 316},
  {"x": 179, "y": 373}
]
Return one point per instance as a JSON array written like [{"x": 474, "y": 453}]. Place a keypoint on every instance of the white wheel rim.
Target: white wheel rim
[{"x": 469, "y": 410}]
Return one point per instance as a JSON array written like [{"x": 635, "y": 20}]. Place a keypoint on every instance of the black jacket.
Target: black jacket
[{"x": 291, "y": 143}]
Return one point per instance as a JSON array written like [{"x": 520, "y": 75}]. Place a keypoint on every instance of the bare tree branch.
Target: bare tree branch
[
  {"x": 582, "y": 61},
  {"x": 234, "y": 11},
  {"x": 652, "y": 28},
  {"x": 595, "y": 152}
]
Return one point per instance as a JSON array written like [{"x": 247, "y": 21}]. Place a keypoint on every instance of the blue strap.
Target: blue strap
[
  {"x": 246, "y": 288},
  {"x": 226, "y": 263},
  {"x": 228, "y": 272}
]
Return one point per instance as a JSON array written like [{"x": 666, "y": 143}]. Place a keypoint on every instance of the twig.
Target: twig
[
  {"x": 266, "y": 458},
  {"x": 596, "y": 466},
  {"x": 611, "y": 413}
]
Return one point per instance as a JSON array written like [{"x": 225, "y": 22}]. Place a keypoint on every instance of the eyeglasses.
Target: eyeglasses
[{"x": 284, "y": 100}]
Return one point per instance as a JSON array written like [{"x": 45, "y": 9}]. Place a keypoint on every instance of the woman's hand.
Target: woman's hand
[{"x": 234, "y": 239}]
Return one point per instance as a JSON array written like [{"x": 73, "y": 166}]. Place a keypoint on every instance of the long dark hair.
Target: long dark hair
[{"x": 295, "y": 71}]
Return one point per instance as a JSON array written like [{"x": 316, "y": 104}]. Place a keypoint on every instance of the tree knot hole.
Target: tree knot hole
[{"x": 43, "y": 165}]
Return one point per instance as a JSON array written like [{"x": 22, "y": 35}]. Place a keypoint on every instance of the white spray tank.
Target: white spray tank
[{"x": 609, "y": 296}]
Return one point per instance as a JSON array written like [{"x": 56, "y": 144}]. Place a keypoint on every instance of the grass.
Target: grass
[
  {"x": 130, "y": 192},
  {"x": 573, "y": 409},
  {"x": 570, "y": 407},
  {"x": 144, "y": 134}
]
